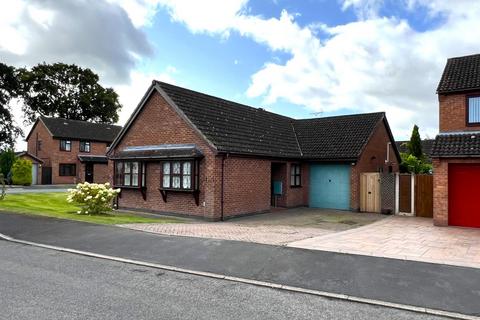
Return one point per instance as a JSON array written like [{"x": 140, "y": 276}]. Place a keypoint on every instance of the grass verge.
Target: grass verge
[{"x": 55, "y": 205}]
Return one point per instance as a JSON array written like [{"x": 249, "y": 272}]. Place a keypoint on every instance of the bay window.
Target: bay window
[
  {"x": 129, "y": 174},
  {"x": 179, "y": 175}
]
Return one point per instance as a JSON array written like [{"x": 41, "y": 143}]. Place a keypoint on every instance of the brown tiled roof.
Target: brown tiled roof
[
  {"x": 460, "y": 74},
  {"x": 237, "y": 128},
  {"x": 461, "y": 144}
]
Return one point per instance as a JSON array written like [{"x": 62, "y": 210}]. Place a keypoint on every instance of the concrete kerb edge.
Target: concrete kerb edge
[{"x": 265, "y": 284}]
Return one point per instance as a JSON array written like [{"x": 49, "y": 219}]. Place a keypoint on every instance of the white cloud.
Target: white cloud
[{"x": 376, "y": 63}]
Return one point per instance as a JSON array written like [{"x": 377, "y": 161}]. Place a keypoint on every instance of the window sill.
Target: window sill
[{"x": 294, "y": 187}]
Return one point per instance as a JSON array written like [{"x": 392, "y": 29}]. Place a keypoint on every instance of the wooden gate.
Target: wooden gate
[
  {"x": 405, "y": 193},
  {"x": 370, "y": 192},
  {"x": 424, "y": 195}
]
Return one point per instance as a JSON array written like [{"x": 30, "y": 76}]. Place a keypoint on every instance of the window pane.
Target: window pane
[
  {"x": 176, "y": 182},
  {"x": 187, "y": 168},
  {"x": 134, "y": 167},
  {"x": 176, "y": 167},
  {"x": 135, "y": 180},
  {"x": 166, "y": 168},
  {"x": 166, "y": 181},
  {"x": 292, "y": 180},
  {"x": 126, "y": 180},
  {"x": 297, "y": 181},
  {"x": 187, "y": 182},
  {"x": 474, "y": 110},
  {"x": 297, "y": 169},
  {"x": 127, "y": 167}
]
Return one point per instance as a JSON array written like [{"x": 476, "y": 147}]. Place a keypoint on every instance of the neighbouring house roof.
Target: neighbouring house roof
[
  {"x": 427, "y": 145},
  {"x": 79, "y": 130},
  {"x": 230, "y": 127},
  {"x": 460, "y": 74},
  {"x": 163, "y": 151},
  {"x": 26, "y": 154},
  {"x": 92, "y": 158},
  {"x": 457, "y": 144}
]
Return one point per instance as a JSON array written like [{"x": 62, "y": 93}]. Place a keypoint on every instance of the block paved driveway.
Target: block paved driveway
[
  {"x": 276, "y": 228},
  {"x": 406, "y": 238},
  {"x": 409, "y": 238}
]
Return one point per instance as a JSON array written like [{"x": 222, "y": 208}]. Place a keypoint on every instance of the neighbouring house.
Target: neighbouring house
[
  {"x": 427, "y": 145},
  {"x": 70, "y": 151},
  {"x": 36, "y": 164},
  {"x": 189, "y": 153},
  {"x": 456, "y": 152}
]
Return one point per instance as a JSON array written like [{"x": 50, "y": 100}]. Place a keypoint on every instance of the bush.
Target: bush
[
  {"x": 94, "y": 199},
  {"x": 22, "y": 172},
  {"x": 412, "y": 164},
  {"x": 7, "y": 158}
]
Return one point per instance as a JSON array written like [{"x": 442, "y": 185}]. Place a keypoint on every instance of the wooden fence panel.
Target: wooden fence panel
[
  {"x": 405, "y": 193},
  {"x": 424, "y": 195}
]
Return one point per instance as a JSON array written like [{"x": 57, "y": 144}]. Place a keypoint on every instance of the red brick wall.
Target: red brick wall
[
  {"x": 372, "y": 160},
  {"x": 52, "y": 156},
  {"x": 159, "y": 123},
  {"x": 297, "y": 196},
  {"x": 247, "y": 185},
  {"x": 440, "y": 188},
  {"x": 453, "y": 113}
]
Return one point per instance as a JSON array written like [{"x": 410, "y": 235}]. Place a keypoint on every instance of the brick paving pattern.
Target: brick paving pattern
[
  {"x": 274, "y": 235},
  {"x": 408, "y": 238}
]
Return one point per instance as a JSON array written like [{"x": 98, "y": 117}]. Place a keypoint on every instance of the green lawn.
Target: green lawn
[{"x": 55, "y": 205}]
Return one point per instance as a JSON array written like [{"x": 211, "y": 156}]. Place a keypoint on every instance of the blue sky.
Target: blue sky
[{"x": 299, "y": 58}]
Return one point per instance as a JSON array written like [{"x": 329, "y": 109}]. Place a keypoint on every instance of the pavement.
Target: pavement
[
  {"x": 41, "y": 284},
  {"x": 410, "y": 238},
  {"x": 443, "y": 287},
  {"x": 38, "y": 188}
]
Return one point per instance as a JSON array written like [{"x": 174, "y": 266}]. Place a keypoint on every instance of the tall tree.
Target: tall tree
[
  {"x": 415, "y": 144},
  {"x": 9, "y": 87},
  {"x": 67, "y": 91}
]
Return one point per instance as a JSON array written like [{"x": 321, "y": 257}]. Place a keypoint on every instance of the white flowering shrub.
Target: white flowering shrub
[{"x": 93, "y": 198}]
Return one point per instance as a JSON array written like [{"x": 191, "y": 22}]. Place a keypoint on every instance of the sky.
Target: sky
[{"x": 303, "y": 59}]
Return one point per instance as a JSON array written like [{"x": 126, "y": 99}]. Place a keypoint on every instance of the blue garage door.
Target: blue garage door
[{"x": 330, "y": 186}]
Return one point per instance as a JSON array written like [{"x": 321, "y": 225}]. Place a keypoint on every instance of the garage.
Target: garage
[
  {"x": 463, "y": 194},
  {"x": 330, "y": 186}
]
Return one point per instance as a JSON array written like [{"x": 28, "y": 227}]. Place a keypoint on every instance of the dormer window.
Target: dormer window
[{"x": 473, "y": 110}]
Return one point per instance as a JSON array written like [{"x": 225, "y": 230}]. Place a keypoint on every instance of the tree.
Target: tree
[
  {"x": 412, "y": 164},
  {"x": 415, "y": 144},
  {"x": 9, "y": 87},
  {"x": 3, "y": 187},
  {"x": 67, "y": 91},
  {"x": 7, "y": 158},
  {"x": 22, "y": 172}
]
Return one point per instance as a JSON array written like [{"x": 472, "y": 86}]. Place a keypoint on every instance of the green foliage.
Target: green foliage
[
  {"x": 9, "y": 89},
  {"x": 22, "y": 172},
  {"x": 412, "y": 164},
  {"x": 3, "y": 187},
  {"x": 93, "y": 198},
  {"x": 67, "y": 91},
  {"x": 7, "y": 158},
  {"x": 415, "y": 144}
]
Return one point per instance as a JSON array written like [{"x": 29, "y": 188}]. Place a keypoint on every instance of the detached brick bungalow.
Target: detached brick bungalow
[
  {"x": 190, "y": 153},
  {"x": 456, "y": 152},
  {"x": 70, "y": 151}
]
